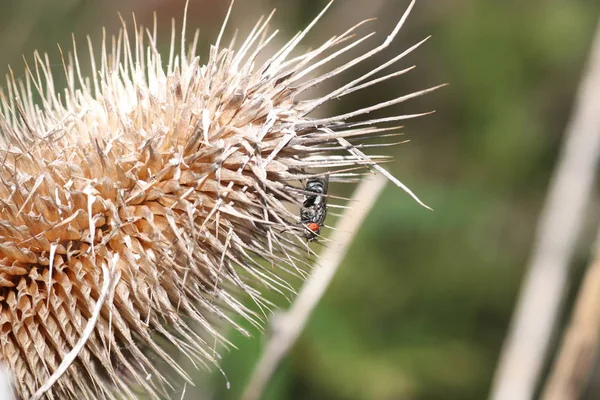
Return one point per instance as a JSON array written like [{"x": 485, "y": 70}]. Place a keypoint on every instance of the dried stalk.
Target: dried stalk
[
  {"x": 526, "y": 346},
  {"x": 289, "y": 325},
  {"x": 579, "y": 348}
]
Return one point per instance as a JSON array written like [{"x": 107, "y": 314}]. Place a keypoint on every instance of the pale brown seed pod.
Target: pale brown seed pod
[{"x": 143, "y": 201}]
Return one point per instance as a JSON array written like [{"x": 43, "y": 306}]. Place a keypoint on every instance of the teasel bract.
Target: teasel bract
[{"x": 144, "y": 202}]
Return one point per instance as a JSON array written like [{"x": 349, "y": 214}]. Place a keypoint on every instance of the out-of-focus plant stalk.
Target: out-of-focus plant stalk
[
  {"x": 579, "y": 348},
  {"x": 288, "y": 326},
  {"x": 526, "y": 346}
]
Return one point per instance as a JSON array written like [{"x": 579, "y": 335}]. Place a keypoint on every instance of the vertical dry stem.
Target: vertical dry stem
[
  {"x": 579, "y": 349},
  {"x": 541, "y": 295}
]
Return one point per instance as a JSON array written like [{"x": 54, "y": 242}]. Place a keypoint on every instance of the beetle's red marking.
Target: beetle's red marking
[{"x": 313, "y": 226}]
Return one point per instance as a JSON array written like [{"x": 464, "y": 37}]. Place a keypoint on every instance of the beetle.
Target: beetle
[{"x": 314, "y": 207}]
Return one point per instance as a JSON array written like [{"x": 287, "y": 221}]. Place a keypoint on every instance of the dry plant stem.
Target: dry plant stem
[
  {"x": 578, "y": 351},
  {"x": 525, "y": 349},
  {"x": 289, "y": 325}
]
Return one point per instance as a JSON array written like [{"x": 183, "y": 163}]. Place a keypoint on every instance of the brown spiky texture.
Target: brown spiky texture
[{"x": 177, "y": 181}]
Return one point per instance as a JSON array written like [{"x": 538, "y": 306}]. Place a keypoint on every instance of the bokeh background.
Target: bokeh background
[{"x": 420, "y": 307}]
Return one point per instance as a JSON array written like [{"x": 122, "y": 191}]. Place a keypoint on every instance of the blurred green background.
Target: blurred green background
[{"x": 421, "y": 305}]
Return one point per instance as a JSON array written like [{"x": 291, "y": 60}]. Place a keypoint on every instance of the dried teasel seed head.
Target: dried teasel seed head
[{"x": 144, "y": 201}]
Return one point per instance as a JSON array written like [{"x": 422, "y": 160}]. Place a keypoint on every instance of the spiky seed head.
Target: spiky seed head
[{"x": 143, "y": 201}]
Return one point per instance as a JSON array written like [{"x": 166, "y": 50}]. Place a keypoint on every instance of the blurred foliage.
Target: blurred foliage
[{"x": 421, "y": 305}]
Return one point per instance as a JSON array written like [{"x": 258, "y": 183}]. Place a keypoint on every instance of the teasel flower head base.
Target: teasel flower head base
[{"x": 142, "y": 202}]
